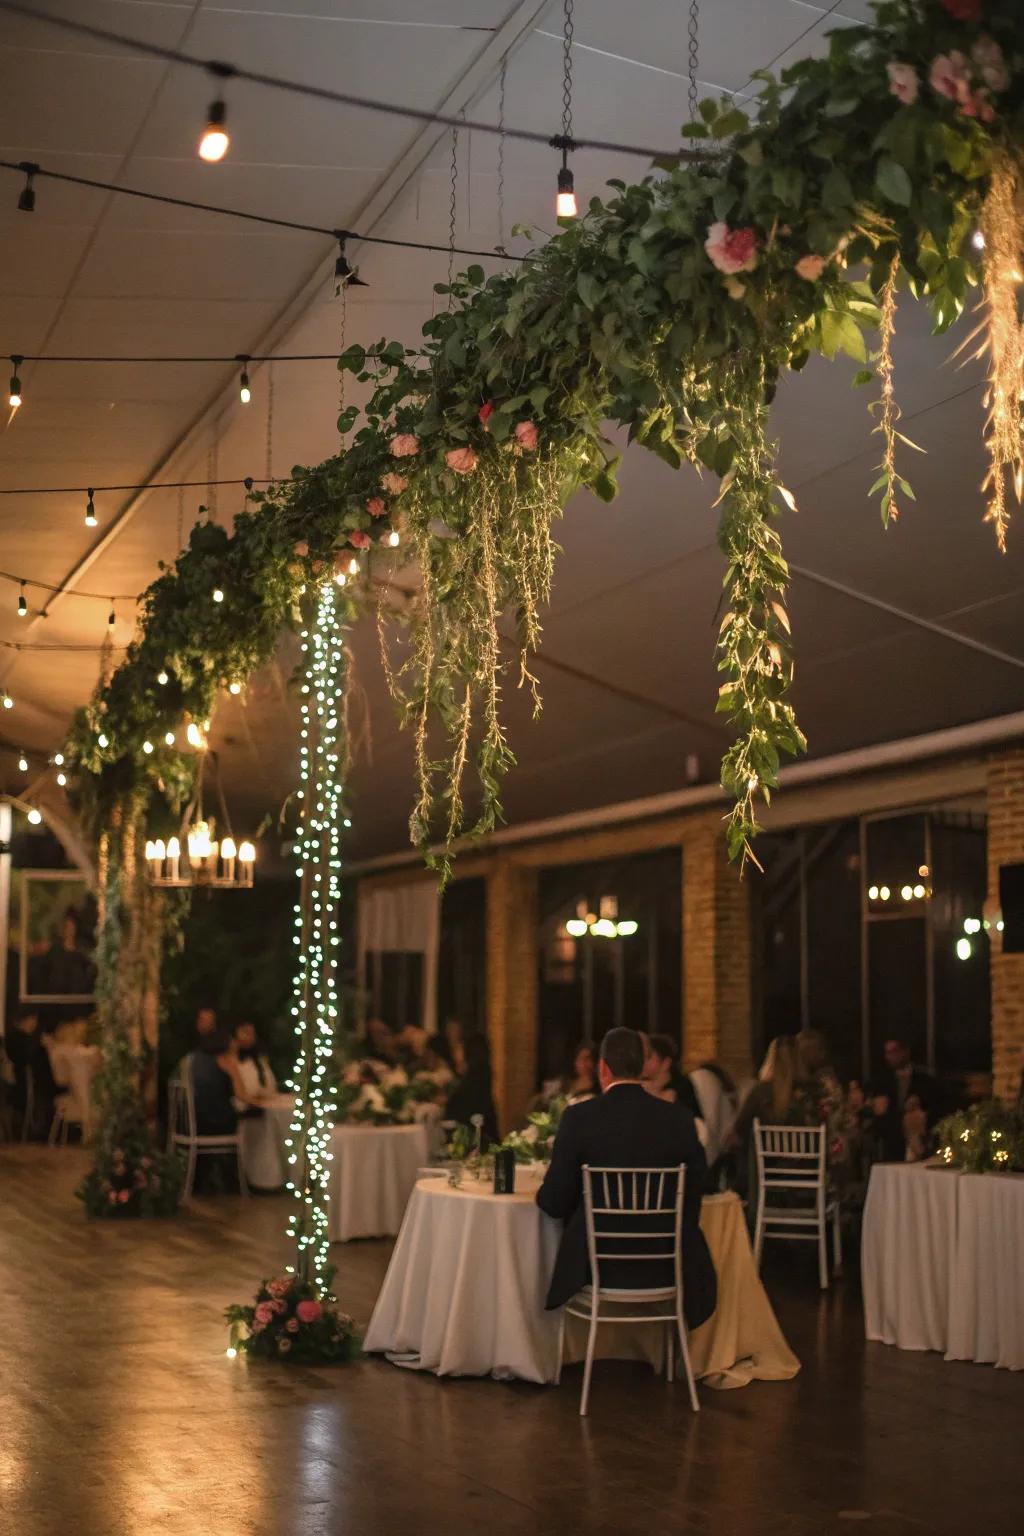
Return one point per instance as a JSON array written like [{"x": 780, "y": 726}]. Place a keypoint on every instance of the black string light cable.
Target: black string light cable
[
  {"x": 29, "y": 168},
  {"x": 224, "y": 71},
  {"x": 149, "y": 485},
  {"x": 565, "y": 201}
]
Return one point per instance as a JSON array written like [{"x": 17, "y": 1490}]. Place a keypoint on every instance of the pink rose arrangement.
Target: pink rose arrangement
[
  {"x": 393, "y": 484},
  {"x": 376, "y": 506},
  {"x": 289, "y": 1317},
  {"x": 732, "y": 250},
  {"x": 301, "y": 549},
  {"x": 462, "y": 460},
  {"x": 405, "y": 445},
  {"x": 527, "y": 436},
  {"x": 956, "y": 77},
  {"x": 903, "y": 82},
  {"x": 358, "y": 539},
  {"x": 810, "y": 267}
]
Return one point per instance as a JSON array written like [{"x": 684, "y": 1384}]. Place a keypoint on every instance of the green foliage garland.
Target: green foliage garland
[
  {"x": 987, "y": 1138},
  {"x": 670, "y": 309}
]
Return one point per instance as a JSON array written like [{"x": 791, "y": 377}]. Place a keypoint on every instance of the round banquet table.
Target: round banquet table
[
  {"x": 464, "y": 1295},
  {"x": 908, "y": 1254},
  {"x": 73, "y": 1068},
  {"x": 373, "y": 1173},
  {"x": 263, "y": 1138}
]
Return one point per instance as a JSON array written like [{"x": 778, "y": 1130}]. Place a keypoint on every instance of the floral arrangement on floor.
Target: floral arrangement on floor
[
  {"x": 534, "y": 1142},
  {"x": 289, "y": 1321},
  {"x": 987, "y": 1138},
  {"x": 375, "y": 1092}
]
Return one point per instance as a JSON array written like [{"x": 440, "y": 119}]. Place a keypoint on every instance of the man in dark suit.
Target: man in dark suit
[
  {"x": 904, "y": 1093},
  {"x": 626, "y": 1127}
]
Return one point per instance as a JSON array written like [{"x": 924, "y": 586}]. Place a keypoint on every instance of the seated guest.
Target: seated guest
[
  {"x": 578, "y": 1083},
  {"x": 253, "y": 1067},
  {"x": 472, "y": 1094},
  {"x": 902, "y": 1091},
  {"x": 626, "y": 1128},
  {"x": 216, "y": 1084},
  {"x": 773, "y": 1095},
  {"x": 206, "y": 1020},
  {"x": 34, "y": 1087},
  {"x": 380, "y": 1042},
  {"x": 664, "y": 1077}
]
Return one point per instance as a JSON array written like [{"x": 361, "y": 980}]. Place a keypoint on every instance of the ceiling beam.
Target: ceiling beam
[{"x": 475, "y": 78}]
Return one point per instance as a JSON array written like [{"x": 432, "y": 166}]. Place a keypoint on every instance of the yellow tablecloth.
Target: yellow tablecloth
[{"x": 739, "y": 1343}]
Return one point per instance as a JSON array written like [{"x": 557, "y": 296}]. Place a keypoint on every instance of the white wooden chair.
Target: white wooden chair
[
  {"x": 66, "y": 1113},
  {"x": 619, "y": 1204},
  {"x": 183, "y": 1135},
  {"x": 791, "y": 1159}
]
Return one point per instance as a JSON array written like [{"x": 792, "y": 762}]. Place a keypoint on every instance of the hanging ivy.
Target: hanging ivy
[{"x": 670, "y": 309}]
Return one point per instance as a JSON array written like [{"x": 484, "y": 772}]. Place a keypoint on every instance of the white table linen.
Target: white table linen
[
  {"x": 986, "y": 1314},
  {"x": 908, "y": 1254},
  {"x": 372, "y": 1176},
  {"x": 464, "y": 1292},
  {"x": 263, "y": 1138}
]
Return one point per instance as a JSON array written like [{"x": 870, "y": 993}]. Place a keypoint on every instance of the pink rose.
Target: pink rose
[
  {"x": 278, "y": 1305},
  {"x": 527, "y": 435},
  {"x": 948, "y": 75},
  {"x": 125, "y": 1196},
  {"x": 359, "y": 539},
  {"x": 405, "y": 445},
  {"x": 903, "y": 82},
  {"x": 264, "y": 1313},
  {"x": 988, "y": 56},
  {"x": 308, "y": 1311},
  {"x": 731, "y": 250},
  {"x": 485, "y": 412},
  {"x": 376, "y": 506},
  {"x": 462, "y": 460},
  {"x": 810, "y": 268},
  {"x": 393, "y": 483},
  {"x": 292, "y": 1325},
  {"x": 301, "y": 549},
  {"x": 280, "y": 1286}
]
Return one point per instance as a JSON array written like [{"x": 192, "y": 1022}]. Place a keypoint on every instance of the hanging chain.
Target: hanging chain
[
  {"x": 694, "y": 34},
  {"x": 451, "y": 212},
  {"x": 211, "y": 481},
  {"x": 567, "y": 35},
  {"x": 342, "y": 372},
  {"x": 501, "y": 156},
  {"x": 270, "y": 421}
]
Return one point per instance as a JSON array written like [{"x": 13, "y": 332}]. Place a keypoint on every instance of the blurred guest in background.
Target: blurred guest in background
[
  {"x": 380, "y": 1042},
  {"x": 206, "y": 1020},
  {"x": 472, "y": 1094},
  {"x": 34, "y": 1087},
  {"x": 664, "y": 1077},
  {"x": 904, "y": 1103},
  {"x": 253, "y": 1065}
]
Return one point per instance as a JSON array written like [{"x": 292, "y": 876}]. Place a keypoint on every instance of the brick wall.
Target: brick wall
[
  {"x": 716, "y": 951},
  {"x": 1005, "y": 846}
]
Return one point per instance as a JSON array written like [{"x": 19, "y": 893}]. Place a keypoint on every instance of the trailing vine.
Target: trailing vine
[{"x": 670, "y": 309}]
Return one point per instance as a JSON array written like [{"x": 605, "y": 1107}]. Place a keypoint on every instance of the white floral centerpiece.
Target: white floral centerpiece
[
  {"x": 373, "y": 1092},
  {"x": 534, "y": 1142}
]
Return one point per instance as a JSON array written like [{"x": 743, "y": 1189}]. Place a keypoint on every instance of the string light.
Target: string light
[
  {"x": 345, "y": 275},
  {"x": 314, "y": 1006},
  {"x": 90, "y": 510},
  {"x": 62, "y": 779},
  {"x": 217, "y": 595},
  {"x": 102, "y": 741},
  {"x": 22, "y": 604},
  {"x": 147, "y": 747},
  {"x": 14, "y": 392},
  {"x": 58, "y": 759},
  {"x": 161, "y": 678},
  {"x": 978, "y": 240},
  {"x": 234, "y": 687},
  {"x": 27, "y": 196},
  {"x": 23, "y": 764},
  {"x": 7, "y": 701},
  {"x": 169, "y": 738},
  {"x": 34, "y": 817},
  {"x": 244, "y": 391},
  {"x": 394, "y": 538},
  {"x": 215, "y": 140},
  {"x": 565, "y": 200}
]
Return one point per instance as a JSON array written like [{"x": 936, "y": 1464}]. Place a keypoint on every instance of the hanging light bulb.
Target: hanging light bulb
[
  {"x": 23, "y": 764},
  {"x": 147, "y": 747},
  {"x": 58, "y": 759},
  {"x": 22, "y": 605},
  {"x": 234, "y": 687},
  {"x": 111, "y": 616},
  {"x": 217, "y": 595},
  {"x": 7, "y": 701},
  {"x": 27, "y": 195},
  {"x": 14, "y": 393},
  {"x": 161, "y": 678},
  {"x": 213, "y": 145},
  {"x": 62, "y": 779},
  {"x": 90, "y": 511},
  {"x": 169, "y": 738},
  {"x": 345, "y": 275},
  {"x": 565, "y": 200},
  {"x": 244, "y": 391},
  {"x": 102, "y": 741},
  {"x": 394, "y": 538},
  {"x": 34, "y": 817}
]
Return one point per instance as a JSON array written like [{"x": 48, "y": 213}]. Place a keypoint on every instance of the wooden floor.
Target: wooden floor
[{"x": 121, "y": 1416}]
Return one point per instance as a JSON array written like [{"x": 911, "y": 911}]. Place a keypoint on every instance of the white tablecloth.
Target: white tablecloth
[
  {"x": 73, "y": 1068},
  {"x": 464, "y": 1292},
  {"x": 908, "y": 1253},
  {"x": 372, "y": 1176},
  {"x": 263, "y": 1138},
  {"x": 986, "y": 1317},
  {"x": 464, "y": 1295}
]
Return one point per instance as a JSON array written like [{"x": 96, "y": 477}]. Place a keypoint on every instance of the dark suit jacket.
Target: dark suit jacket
[
  {"x": 889, "y": 1127},
  {"x": 627, "y": 1128}
]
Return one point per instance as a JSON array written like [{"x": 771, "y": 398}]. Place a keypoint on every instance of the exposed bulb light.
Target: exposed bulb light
[
  {"x": 7, "y": 701},
  {"x": 576, "y": 927},
  {"x": 394, "y": 538},
  {"x": 23, "y": 764},
  {"x": 62, "y": 779},
  {"x": 244, "y": 390},
  {"x": 213, "y": 145},
  {"x": 193, "y": 734},
  {"x": 34, "y": 817},
  {"x": 14, "y": 390},
  {"x": 907, "y": 892},
  {"x": 147, "y": 747},
  {"x": 102, "y": 741},
  {"x": 627, "y": 929},
  {"x": 978, "y": 240},
  {"x": 22, "y": 605},
  {"x": 565, "y": 200},
  {"x": 884, "y": 893},
  {"x": 169, "y": 738},
  {"x": 161, "y": 678},
  {"x": 27, "y": 195},
  {"x": 246, "y": 853},
  {"x": 217, "y": 595},
  {"x": 90, "y": 511},
  {"x": 964, "y": 949},
  {"x": 234, "y": 686},
  {"x": 345, "y": 275},
  {"x": 111, "y": 617},
  {"x": 58, "y": 759},
  {"x": 872, "y": 893}
]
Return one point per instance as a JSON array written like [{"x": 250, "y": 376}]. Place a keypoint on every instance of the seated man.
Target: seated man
[{"x": 625, "y": 1127}]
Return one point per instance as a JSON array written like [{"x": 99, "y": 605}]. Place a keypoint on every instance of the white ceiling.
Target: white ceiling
[{"x": 627, "y": 661}]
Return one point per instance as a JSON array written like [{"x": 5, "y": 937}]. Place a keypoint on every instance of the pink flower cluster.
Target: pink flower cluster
[
  {"x": 393, "y": 484},
  {"x": 405, "y": 445},
  {"x": 971, "y": 82},
  {"x": 732, "y": 250}
]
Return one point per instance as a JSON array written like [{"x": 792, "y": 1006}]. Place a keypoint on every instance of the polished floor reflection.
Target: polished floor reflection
[{"x": 121, "y": 1416}]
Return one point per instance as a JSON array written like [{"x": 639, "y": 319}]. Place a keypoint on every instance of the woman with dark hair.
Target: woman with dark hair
[
  {"x": 218, "y": 1086},
  {"x": 664, "y": 1077},
  {"x": 472, "y": 1094},
  {"x": 255, "y": 1070}
]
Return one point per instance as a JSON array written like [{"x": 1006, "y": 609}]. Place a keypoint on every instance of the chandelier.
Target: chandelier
[
  {"x": 603, "y": 924},
  {"x": 207, "y": 863}
]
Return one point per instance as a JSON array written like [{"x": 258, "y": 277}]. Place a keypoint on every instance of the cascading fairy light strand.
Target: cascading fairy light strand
[{"x": 315, "y": 993}]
